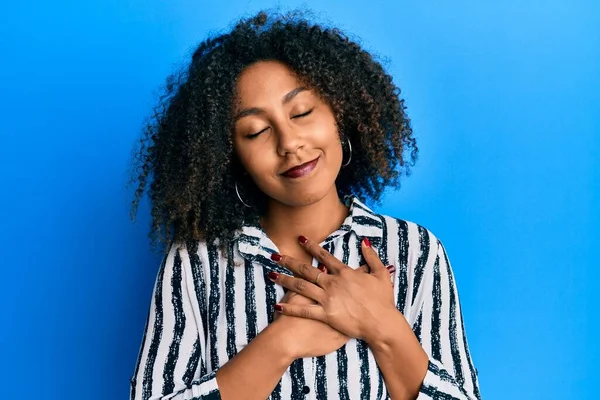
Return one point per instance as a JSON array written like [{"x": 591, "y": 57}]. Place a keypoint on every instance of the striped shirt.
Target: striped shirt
[{"x": 207, "y": 305}]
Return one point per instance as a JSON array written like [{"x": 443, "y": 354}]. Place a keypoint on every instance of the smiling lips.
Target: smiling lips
[{"x": 301, "y": 170}]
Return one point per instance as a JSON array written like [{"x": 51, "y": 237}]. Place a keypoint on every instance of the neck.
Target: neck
[{"x": 283, "y": 224}]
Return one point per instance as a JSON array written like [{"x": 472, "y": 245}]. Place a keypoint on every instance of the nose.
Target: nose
[{"x": 289, "y": 140}]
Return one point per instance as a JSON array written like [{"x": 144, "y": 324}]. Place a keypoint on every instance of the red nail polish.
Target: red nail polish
[
  {"x": 273, "y": 275},
  {"x": 302, "y": 239},
  {"x": 275, "y": 257},
  {"x": 278, "y": 307},
  {"x": 391, "y": 269},
  {"x": 322, "y": 268},
  {"x": 367, "y": 242}
]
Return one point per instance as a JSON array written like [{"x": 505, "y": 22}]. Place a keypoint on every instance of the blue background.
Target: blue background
[{"x": 504, "y": 99}]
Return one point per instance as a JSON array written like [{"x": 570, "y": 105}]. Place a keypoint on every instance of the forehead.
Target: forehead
[{"x": 265, "y": 81}]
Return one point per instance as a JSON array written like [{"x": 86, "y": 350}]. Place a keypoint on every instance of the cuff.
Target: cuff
[
  {"x": 205, "y": 388},
  {"x": 438, "y": 383}
]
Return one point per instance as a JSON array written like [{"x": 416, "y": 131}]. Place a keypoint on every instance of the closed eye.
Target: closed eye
[
  {"x": 252, "y": 136},
  {"x": 302, "y": 115}
]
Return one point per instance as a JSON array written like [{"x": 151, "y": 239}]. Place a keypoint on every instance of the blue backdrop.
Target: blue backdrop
[{"x": 504, "y": 99}]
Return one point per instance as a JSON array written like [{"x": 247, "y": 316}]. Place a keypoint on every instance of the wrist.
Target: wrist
[
  {"x": 280, "y": 343},
  {"x": 386, "y": 329}
]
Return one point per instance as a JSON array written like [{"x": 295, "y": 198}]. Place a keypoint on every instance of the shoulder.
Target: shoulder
[
  {"x": 408, "y": 234},
  {"x": 193, "y": 246},
  {"x": 193, "y": 253},
  {"x": 392, "y": 228},
  {"x": 406, "y": 227},
  {"x": 199, "y": 261}
]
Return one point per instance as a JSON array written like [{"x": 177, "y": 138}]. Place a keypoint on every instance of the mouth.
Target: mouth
[{"x": 301, "y": 170}]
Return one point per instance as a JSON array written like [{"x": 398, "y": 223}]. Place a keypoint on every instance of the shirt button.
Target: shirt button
[{"x": 305, "y": 390}]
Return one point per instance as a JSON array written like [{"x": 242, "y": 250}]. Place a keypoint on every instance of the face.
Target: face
[{"x": 280, "y": 125}]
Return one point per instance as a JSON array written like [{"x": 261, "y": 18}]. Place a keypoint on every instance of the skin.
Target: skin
[
  {"x": 308, "y": 205},
  {"x": 271, "y": 136},
  {"x": 359, "y": 305}
]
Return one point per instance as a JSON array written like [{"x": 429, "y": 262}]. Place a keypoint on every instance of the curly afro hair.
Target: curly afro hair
[{"x": 187, "y": 145}]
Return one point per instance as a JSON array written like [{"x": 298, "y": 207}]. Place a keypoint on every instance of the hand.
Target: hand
[
  {"x": 308, "y": 338},
  {"x": 351, "y": 301},
  {"x": 293, "y": 298}
]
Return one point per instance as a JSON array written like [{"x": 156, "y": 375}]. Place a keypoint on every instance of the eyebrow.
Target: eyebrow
[{"x": 255, "y": 110}]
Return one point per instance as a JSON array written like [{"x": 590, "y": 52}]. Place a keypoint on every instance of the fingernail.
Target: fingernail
[
  {"x": 273, "y": 275},
  {"x": 278, "y": 307},
  {"x": 275, "y": 257},
  {"x": 302, "y": 239},
  {"x": 322, "y": 268},
  {"x": 391, "y": 269},
  {"x": 367, "y": 242}
]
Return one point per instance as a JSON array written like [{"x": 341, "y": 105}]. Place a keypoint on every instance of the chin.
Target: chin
[{"x": 302, "y": 198}]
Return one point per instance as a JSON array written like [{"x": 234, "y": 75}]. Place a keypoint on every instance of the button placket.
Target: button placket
[
  {"x": 310, "y": 364},
  {"x": 309, "y": 378}
]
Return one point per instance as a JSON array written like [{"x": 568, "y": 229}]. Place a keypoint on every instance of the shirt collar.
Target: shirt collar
[{"x": 255, "y": 245}]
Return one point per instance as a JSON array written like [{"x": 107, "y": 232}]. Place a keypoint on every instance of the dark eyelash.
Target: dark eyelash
[
  {"x": 303, "y": 115},
  {"x": 252, "y": 136},
  {"x": 256, "y": 134}
]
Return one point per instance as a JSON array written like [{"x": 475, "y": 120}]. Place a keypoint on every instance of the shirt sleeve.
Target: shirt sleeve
[
  {"x": 171, "y": 362},
  {"x": 440, "y": 329}
]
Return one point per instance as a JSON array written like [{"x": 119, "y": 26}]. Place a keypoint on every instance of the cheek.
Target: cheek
[
  {"x": 328, "y": 137},
  {"x": 334, "y": 147},
  {"x": 256, "y": 161},
  {"x": 244, "y": 155}
]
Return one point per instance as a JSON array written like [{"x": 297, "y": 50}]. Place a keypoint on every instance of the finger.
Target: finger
[
  {"x": 364, "y": 268},
  {"x": 315, "y": 311},
  {"x": 372, "y": 258},
  {"x": 299, "y": 285},
  {"x": 288, "y": 295},
  {"x": 299, "y": 268},
  {"x": 323, "y": 256},
  {"x": 391, "y": 269}
]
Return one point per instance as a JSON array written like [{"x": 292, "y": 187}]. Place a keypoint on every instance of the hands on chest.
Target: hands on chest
[{"x": 324, "y": 308}]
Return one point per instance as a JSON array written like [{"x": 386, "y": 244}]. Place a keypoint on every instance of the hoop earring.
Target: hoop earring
[
  {"x": 349, "y": 158},
  {"x": 238, "y": 195}
]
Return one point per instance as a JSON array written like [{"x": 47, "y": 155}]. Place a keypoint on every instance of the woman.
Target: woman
[{"x": 278, "y": 281}]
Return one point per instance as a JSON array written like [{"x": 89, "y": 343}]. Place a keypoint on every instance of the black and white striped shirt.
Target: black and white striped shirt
[{"x": 207, "y": 305}]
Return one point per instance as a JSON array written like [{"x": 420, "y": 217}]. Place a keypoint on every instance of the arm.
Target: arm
[
  {"x": 441, "y": 331},
  {"x": 171, "y": 363},
  {"x": 255, "y": 371},
  {"x": 442, "y": 367}
]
